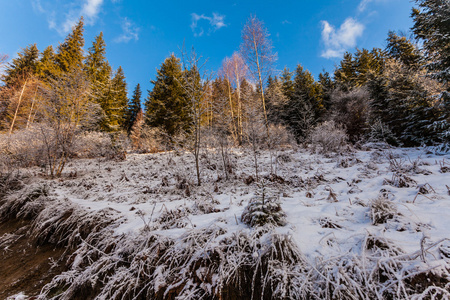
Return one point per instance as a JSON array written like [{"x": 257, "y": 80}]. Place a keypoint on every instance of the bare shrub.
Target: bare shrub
[
  {"x": 93, "y": 144},
  {"x": 22, "y": 148},
  {"x": 150, "y": 140},
  {"x": 328, "y": 137},
  {"x": 381, "y": 210},
  {"x": 351, "y": 110}
]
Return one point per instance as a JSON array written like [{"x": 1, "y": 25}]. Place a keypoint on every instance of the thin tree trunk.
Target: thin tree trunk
[
  {"x": 261, "y": 87},
  {"x": 31, "y": 109},
  {"x": 17, "y": 109}
]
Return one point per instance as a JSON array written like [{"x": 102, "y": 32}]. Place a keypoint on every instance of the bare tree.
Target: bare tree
[
  {"x": 235, "y": 71},
  {"x": 66, "y": 110},
  {"x": 256, "y": 49},
  {"x": 196, "y": 86}
]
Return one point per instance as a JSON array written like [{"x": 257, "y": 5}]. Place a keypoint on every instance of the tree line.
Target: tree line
[{"x": 399, "y": 94}]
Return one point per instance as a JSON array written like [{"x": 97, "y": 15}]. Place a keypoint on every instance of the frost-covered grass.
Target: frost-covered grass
[{"x": 365, "y": 225}]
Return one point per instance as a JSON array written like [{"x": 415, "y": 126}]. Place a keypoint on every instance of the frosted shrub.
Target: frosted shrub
[
  {"x": 380, "y": 132},
  {"x": 92, "y": 144},
  {"x": 381, "y": 210},
  {"x": 328, "y": 137},
  {"x": 22, "y": 148},
  {"x": 264, "y": 208}
]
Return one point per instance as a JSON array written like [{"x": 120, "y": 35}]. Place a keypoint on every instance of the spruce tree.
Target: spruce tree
[
  {"x": 46, "y": 68},
  {"x": 305, "y": 107},
  {"x": 167, "y": 105},
  {"x": 23, "y": 66},
  {"x": 134, "y": 107},
  {"x": 327, "y": 87},
  {"x": 70, "y": 53},
  {"x": 432, "y": 27},
  {"x": 345, "y": 73},
  {"x": 403, "y": 50}
]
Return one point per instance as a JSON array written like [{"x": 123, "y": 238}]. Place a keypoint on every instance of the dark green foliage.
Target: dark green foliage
[
  {"x": 120, "y": 101},
  {"x": 264, "y": 208},
  {"x": 327, "y": 87},
  {"x": 22, "y": 66},
  {"x": 356, "y": 70},
  {"x": 304, "y": 108},
  {"x": 167, "y": 104},
  {"x": 275, "y": 100},
  {"x": 432, "y": 27},
  {"x": 402, "y": 49},
  {"x": 133, "y": 109}
]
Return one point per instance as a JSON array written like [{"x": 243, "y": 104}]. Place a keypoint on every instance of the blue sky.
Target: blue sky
[{"x": 141, "y": 34}]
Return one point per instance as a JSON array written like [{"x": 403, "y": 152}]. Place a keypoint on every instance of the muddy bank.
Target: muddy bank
[{"x": 24, "y": 266}]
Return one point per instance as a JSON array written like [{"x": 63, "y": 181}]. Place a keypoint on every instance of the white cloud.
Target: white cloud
[
  {"x": 337, "y": 41},
  {"x": 129, "y": 32},
  {"x": 91, "y": 8},
  {"x": 363, "y": 5},
  {"x": 216, "y": 21},
  {"x": 63, "y": 17}
]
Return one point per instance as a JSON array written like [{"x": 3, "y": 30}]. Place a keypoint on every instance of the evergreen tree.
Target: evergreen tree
[
  {"x": 327, "y": 85},
  {"x": 432, "y": 26},
  {"x": 276, "y": 101},
  {"x": 345, "y": 74},
  {"x": 98, "y": 71},
  {"x": 167, "y": 105},
  {"x": 96, "y": 66},
  {"x": 305, "y": 106},
  {"x": 23, "y": 66},
  {"x": 287, "y": 83},
  {"x": 134, "y": 107},
  {"x": 403, "y": 50},
  {"x": 120, "y": 103},
  {"x": 46, "y": 68},
  {"x": 70, "y": 53}
]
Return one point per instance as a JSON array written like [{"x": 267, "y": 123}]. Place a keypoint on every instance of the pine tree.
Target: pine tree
[
  {"x": 167, "y": 105},
  {"x": 96, "y": 66},
  {"x": 276, "y": 101},
  {"x": 287, "y": 83},
  {"x": 432, "y": 26},
  {"x": 134, "y": 107},
  {"x": 23, "y": 66},
  {"x": 345, "y": 74},
  {"x": 327, "y": 85},
  {"x": 46, "y": 68},
  {"x": 120, "y": 103},
  {"x": 70, "y": 53},
  {"x": 305, "y": 107},
  {"x": 403, "y": 50},
  {"x": 98, "y": 71}
]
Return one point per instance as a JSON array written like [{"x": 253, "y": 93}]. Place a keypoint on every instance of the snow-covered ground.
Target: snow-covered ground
[{"x": 329, "y": 200}]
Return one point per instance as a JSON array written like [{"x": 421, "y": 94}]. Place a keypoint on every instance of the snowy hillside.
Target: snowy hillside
[{"x": 367, "y": 224}]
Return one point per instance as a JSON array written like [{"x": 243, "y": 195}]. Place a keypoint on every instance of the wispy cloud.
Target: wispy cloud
[
  {"x": 129, "y": 32},
  {"x": 70, "y": 11},
  {"x": 337, "y": 41},
  {"x": 216, "y": 21},
  {"x": 364, "y": 4},
  {"x": 286, "y": 22}
]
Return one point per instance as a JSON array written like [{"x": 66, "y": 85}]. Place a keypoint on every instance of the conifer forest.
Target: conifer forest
[{"x": 246, "y": 182}]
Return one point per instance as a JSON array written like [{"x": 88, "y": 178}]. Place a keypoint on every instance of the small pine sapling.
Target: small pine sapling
[{"x": 264, "y": 208}]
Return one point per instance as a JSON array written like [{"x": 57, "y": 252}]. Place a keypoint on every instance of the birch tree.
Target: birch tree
[{"x": 256, "y": 49}]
